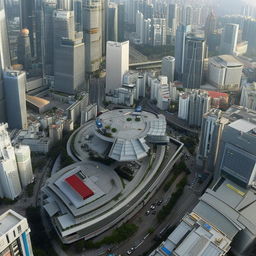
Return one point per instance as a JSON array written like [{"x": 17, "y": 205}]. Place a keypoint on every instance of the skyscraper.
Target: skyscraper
[
  {"x": 4, "y": 45},
  {"x": 237, "y": 156},
  {"x": 24, "y": 50},
  {"x": 112, "y": 24},
  {"x": 211, "y": 130},
  {"x": 28, "y": 20},
  {"x": 10, "y": 186},
  {"x": 210, "y": 25},
  {"x": 117, "y": 63},
  {"x": 140, "y": 26},
  {"x": 47, "y": 37},
  {"x": 14, "y": 235},
  {"x": 173, "y": 17},
  {"x": 92, "y": 26},
  {"x": 5, "y": 60},
  {"x": 229, "y": 39},
  {"x": 168, "y": 66},
  {"x": 158, "y": 31},
  {"x": 66, "y": 5},
  {"x": 194, "y": 62},
  {"x": 181, "y": 33},
  {"x": 15, "y": 97},
  {"x": 199, "y": 104},
  {"x": 69, "y": 72},
  {"x": 23, "y": 159},
  {"x": 78, "y": 15},
  {"x": 121, "y": 22},
  {"x": 64, "y": 26},
  {"x": 248, "y": 96}
]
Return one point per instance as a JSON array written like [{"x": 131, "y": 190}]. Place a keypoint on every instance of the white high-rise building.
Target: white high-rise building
[
  {"x": 168, "y": 67},
  {"x": 183, "y": 106},
  {"x": 117, "y": 64},
  {"x": 10, "y": 186},
  {"x": 22, "y": 153},
  {"x": 15, "y": 166},
  {"x": 229, "y": 39},
  {"x": 15, "y": 238}
]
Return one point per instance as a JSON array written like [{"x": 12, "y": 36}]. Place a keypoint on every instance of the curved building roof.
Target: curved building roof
[{"x": 129, "y": 131}]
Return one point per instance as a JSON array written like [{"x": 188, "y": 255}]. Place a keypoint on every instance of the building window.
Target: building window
[
  {"x": 7, "y": 238},
  {"x": 14, "y": 233},
  {"x": 19, "y": 229}
]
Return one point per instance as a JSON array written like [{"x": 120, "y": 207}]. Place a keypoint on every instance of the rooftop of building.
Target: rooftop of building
[
  {"x": 69, "y": 184},
  {"x": 194, "y": 236},
  {"x": 37, "y": 101},
  {"x": 226, "y": 60},
  {"x": 128, "y": 130},
  {"x": 214, "y": 94},
  {"x": 8, "y": 220},
  {"x": 229, "y": 207},
  {"x": 235, "y": 113}
]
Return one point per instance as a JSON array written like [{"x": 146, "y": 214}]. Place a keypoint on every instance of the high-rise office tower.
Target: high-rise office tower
[
  {"x": 15, "y": 97},
  {"x": 140, "y": 26},
  {"x": 92, "y": 26},
  {"x": 188, "y": 15},
  {"x": 24, "y": 50},
  {"x": 130, "y": 11},
  {"x": 229, "y": 39},
  {"x": 14, "y": 235},
  {"x": 194, "y": 62},
  {"x": 78, "y": 14},
  {"x": 64, "y": 26},
  {"x": 66, "y": 5},
  {"x": 10, "y": 186},
  {"x": 117, "y": 63},
  {"x": 28, "y": 20},
  {"x": 168, "y": 67},
  {"x": 181, "y": 33},
  {"x": 121, "y": 22},
  {"x": 47, "y": 37},
  {"x": 112, "y": 24},
  {"x": 4, "y": 45},
  {"x": 104, "y": 25},
  {"x": 2, "y": 99},
  {"x": 69, "y": 71},
  {"x": 237, "y": 156},
  {"x": 5, "y": 60},
  {"x": 172, "y": 17},
  {"x": 196, "y": 15},
  {"x": 210, "y": 25}
]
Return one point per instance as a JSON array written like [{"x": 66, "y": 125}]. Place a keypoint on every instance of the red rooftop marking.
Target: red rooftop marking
[{"x": 77, "y": 184}]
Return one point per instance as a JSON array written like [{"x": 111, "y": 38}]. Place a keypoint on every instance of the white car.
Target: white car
[
  {"x": 129, "y": 252},
  {"x": 152, "y": 207}
]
